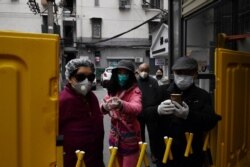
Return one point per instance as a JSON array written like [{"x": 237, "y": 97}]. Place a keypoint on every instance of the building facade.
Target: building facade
[
  {"x": 100, "y": 30},
  {"x": 106, "y": 31},
  {"x": 16, "y": 15}
]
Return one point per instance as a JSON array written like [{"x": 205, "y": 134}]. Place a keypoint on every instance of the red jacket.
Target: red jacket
[
  {"x": 125, "y": 128},
  {"x": 81, "y": 123}
]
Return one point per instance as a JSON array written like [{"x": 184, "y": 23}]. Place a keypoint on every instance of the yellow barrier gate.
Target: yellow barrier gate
[
  {"x": 230, "y": 141},
  {"x": 28, "y": 99},
  {"x": 233, "y": 104}
]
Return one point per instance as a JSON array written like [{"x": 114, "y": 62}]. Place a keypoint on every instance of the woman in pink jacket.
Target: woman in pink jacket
[{"x": 123, "y": 104}]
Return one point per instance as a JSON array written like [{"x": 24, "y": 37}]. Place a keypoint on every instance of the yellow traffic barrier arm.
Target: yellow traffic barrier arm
[
  {"x": 189, "y": 137},
  {"x": 142, "y": 154},
  {"x": 168, "y": 153},
  {"x": 113, "y": 160},
  {"x": 145, "y": 158},
  {"x": 80, "y": 155},
  {"x": 205, "y": 146}
]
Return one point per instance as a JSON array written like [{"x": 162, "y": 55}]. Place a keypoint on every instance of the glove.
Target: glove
[
  {"x": 181, "y": 111},
  {"x": 112, "y": 103},
  {"x": 115, "y": 103},
  {"x": 166, "y": 108}
]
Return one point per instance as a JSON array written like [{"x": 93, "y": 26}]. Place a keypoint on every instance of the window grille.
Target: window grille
[
  {"x": 96, "y": 27},
  {"x": 124, "y": 4}
]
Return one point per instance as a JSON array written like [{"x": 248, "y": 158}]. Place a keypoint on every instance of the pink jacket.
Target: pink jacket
[{"x": 125, "y": 128}]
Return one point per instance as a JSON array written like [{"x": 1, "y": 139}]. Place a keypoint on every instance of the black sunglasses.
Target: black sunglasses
[{"x": 80, "y": 77}]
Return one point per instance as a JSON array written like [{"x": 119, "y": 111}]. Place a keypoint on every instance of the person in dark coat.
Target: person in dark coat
[
  {"x": 149, "y": 88},
  {"x": 194, "y": 114},
  {"x": 80, "y": 118}
]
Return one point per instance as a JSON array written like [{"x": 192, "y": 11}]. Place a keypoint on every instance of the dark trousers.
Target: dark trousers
[{"x": 143, "y": 125}]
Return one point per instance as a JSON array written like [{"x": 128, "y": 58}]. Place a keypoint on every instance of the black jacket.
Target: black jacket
[
  {"x": 149, "y": 88},
  {"x": 201, "y": 118}
]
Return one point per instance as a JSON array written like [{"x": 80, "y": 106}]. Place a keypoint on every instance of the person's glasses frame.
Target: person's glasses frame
[{"x": 81, "y": 77}]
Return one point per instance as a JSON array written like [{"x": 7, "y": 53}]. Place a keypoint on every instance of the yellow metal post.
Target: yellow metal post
[
  {"x": 113, "y": 160},
  {"x": 205, "y": 145},
  {"x": 142, "y": 154},
  {"x": 145, "y": 158},
  {"x": 168, "y": 153},
  {"x": 189, "y": 137},
  {"x": 80, "y": 156}
]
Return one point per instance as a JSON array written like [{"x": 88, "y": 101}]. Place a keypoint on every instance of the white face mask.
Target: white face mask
[
  {"x": 83, "y": 87},
  {"x": 143, "y": 74},
  {"x": 183, "y": 81}
]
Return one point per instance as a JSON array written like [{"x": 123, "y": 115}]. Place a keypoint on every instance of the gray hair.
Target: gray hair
[{"x": 74, "y": 64}]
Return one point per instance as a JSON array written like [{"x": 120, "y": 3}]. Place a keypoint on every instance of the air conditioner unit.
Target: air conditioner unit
[{"x": 138, "y": 60}]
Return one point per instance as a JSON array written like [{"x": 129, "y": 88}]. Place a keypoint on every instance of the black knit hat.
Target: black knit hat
[
  {"x": 126, "y": 64},
  {"x": 185, "y": 63}
]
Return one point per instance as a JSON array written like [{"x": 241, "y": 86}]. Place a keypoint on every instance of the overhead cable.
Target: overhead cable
[{"x": 116, "y": 36}]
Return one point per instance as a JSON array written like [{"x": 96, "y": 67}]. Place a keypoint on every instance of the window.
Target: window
[
  {"x": 96, "y": 2},
  {"x": 124, "y": 4},
  {"x": 70, "y": 5},
  {"x": 243, "y": 16},
  {"x": 69, "y": 33},
  {"x": 156, "y": 4},
  {"x": 161, "y": 40},
  {"x": 96, "y": 27}
]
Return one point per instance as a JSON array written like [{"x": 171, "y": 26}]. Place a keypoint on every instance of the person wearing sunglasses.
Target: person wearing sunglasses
[
  {"x": 123, "y": 104},
  {"x": 80, "y": 117}
]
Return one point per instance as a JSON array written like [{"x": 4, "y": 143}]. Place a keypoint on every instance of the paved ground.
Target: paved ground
[{"x": 100, "y": 93}]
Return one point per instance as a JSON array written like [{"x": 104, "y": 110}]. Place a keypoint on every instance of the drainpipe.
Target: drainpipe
[{"x": 50, "y": 17}]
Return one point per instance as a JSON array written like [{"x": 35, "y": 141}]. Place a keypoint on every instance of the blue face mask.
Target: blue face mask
[{"x": 122, "y": 79}]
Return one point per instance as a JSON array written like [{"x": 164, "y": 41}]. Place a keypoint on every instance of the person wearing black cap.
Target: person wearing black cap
[
  {"x": 194, "y": 114},
  {"x": 123, "y": 104}
]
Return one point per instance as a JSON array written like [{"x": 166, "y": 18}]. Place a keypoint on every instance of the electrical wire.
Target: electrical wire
[{"x": 116, "y": 36}]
